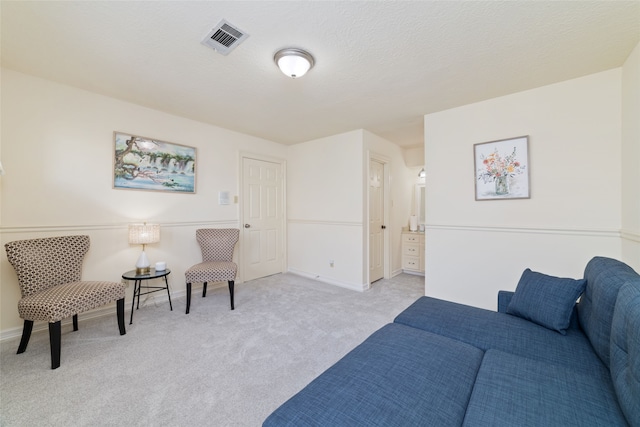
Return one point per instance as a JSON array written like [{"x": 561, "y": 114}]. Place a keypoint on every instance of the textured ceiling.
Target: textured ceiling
[{"x": 379, "y": 65}]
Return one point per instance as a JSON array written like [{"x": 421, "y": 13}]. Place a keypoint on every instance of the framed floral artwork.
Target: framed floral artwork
[
  {"x": 502, "y": 169},
  {"x": 142, "y": 163}
]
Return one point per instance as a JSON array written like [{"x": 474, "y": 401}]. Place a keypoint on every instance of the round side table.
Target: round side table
[{"x": 137, "y": 285}]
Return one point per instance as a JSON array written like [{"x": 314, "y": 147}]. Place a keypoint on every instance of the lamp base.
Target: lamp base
[
  {"x": 143, "y": 265},
  {"x": 143, "y": 270}
]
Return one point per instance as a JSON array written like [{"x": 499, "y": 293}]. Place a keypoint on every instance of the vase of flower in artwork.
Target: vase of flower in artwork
[{"x": 502, "y": 185}]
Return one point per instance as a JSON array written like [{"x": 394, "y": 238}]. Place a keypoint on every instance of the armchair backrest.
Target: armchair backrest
[
  {"x": 217, "y": 244},
  {"x": 43, "y": 263}
]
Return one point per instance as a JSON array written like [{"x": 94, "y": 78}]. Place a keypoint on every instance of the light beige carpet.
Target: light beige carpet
[{"x": 213, "y": 367}]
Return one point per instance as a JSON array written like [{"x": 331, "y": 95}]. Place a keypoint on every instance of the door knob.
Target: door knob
[{"x": 247, "y": 226}]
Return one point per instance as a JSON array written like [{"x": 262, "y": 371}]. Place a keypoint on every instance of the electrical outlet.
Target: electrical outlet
[{"x": 331, "y": 263}]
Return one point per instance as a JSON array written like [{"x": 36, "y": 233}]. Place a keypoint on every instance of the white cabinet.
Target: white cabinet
[{"x": 413, "y": 252}]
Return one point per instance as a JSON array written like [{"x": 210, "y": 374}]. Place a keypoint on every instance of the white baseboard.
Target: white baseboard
[
  {"x": 415, "y": 273},
  {"x": 394, "y": 273},
  {"x": 105, "y": 310},
  {"x": 353, "y": 286},
  {"x": 110, "y": 309}
]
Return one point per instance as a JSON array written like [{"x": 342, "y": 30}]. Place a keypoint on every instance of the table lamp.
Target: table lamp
[{"x": 143, "y": 234}]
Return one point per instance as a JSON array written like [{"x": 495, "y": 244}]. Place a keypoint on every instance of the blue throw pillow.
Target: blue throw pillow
[{"x": 546, "y": 300}]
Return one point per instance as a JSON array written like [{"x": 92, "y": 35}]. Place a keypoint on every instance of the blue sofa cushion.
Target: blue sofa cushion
[
  {"x": 399, "y": 376},
  {"x": 605, "y": 277},
  {"x": 625, "y": 351},
  {"x": 546, "y": 300},
  {"x": 487, "y": 329},
  {"x": 504, "y": 298},
  {"x": 516, "y": 391}
]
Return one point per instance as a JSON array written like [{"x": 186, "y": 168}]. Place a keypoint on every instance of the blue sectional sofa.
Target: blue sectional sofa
[{"x": 541, "y": 360}]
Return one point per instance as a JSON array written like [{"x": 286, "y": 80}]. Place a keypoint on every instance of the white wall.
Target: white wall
[
  {"x": 631, "y": 159},
  {"x": 324, "y": 209},
  {"x": 474, "y": 248},
  {"x": 57, "y": 150},
  {"x": 327, "y": 206},
  {"x": 414, "y": 156}
]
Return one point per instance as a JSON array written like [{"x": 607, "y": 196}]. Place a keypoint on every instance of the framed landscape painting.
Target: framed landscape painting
[
  {"x": 502, "y": 169},
  {"x": 142, "y": 163}
]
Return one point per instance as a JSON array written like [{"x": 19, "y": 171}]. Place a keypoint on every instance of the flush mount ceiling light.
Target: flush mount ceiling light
[{"x": 294, "y": 62}]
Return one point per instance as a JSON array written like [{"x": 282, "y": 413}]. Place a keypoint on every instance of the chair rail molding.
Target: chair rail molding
[
  {"x": 110, "y": 226},
  {"x": 611, "y": 233},
  {"x": 325, "y": 222},
  {"x": 633, "y": 236}
]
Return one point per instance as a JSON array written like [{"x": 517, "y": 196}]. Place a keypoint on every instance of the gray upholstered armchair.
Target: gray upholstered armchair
[
  {"x": 49, "y": 273},
  {"x": 217, "y": 245}
]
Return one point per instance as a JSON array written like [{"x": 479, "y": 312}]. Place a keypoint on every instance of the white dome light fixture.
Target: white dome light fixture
[{"x": 294, "y": 62}]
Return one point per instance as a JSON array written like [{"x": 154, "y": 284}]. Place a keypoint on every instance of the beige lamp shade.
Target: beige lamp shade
[{"x": 142, "y": 234}]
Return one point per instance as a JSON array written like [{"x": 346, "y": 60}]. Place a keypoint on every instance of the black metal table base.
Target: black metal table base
[{"x": 137, "y": 287}]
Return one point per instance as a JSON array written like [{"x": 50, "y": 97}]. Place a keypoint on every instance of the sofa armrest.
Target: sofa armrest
[{"x": 504, "y": 297}]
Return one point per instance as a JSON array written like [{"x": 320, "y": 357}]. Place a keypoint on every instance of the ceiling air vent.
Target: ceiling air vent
[{"x": 224, "y": 37}]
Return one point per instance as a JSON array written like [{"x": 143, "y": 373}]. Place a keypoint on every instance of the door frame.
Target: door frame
[
  {"x": 386, "y": 209},
  {"x": 241, "y": 200}
]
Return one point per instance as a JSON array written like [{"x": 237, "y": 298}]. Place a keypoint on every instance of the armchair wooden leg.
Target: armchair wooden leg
[
  {"x": 231, "y": 293},
  {"x": 120, "y": 314},
  {"x": 204, "y": 289},
  {"x": 26, "y": 334},
  {"x": 75, "y": 322},
  {"x": 188, "y": 296},
  {"x": 55, "y": 337}
]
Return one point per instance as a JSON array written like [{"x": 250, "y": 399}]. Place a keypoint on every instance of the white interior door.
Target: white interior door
[
  {"x": 376, "y": 220},
  {"x": 262, "y": 218}
]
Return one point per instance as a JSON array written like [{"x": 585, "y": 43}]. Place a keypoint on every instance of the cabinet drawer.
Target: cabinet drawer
[
  {"x": 411, "y": 238},
  {"x": 411, "y": 263},
  {"x": 411, "y": 249}
]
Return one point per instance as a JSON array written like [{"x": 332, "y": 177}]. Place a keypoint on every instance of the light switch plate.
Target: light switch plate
[{"x": 223, "y": 198}]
